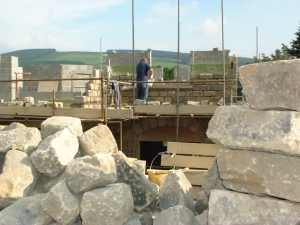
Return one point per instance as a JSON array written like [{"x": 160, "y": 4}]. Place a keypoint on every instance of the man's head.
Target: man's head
[{"x": 144, "y": 59}]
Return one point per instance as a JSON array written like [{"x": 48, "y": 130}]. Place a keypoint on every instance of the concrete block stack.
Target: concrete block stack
[
  {"x": 92, "y": 96},
  {"x": 255, "y": 179},
  {"x": 8, "y": 67},
  {"x": 60, "y": 71}
]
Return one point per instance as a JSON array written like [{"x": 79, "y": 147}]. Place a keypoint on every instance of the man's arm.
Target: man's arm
[{"x": 150, "y": 73}]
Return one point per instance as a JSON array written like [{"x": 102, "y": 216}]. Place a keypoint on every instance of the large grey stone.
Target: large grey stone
[
  {"x": 17, "y": 179},
  {"x": 227, "y": 207},
  {"x": 55, "y": 152},
  {"x": 112, "y": 204},
  {"x": 13, "y": 125},
  {"x": 260, "y": 173},
  {"x": 56, "y": 123},
  {"x": 25, "y": 211},
  {"x": 98, "y": 139},
  {"x": 61, "y": 203},
  {"x": 175, "y": 189},
  {"x": 143, "y": 190},
  {"x": 178, "y": 214},
  {"x": 144, "y": 217},
  {"x": 203, "y": 218},
  {"x": 272, "y": 85},
  {"x": 25, "y": 139},
  {"x": 201, "y": 203},
  {"x": 88, "y": 172},
  {"x": 212, "y": 179},
  {"x": 239, "y": 127}
]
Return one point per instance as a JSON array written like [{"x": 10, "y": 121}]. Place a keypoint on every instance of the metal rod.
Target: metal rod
[
  {"x": 224, "y": 78},
  {"x": 178, "y": 44},
  {"x": 53, "y": 102},
  {"x": 133, "y": 78},
  {"x": 257, "y": 44},
  {"x": 100, "y": 54}
]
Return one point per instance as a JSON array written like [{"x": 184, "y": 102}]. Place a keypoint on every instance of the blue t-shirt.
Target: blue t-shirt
[{"x": 142, "y": 71}]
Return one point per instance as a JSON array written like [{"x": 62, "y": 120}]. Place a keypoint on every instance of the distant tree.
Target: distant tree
[
  {"x": 279, "y": 54},
  {"x": 295, "y": 45},
  {"x": 168, "y": 73}
]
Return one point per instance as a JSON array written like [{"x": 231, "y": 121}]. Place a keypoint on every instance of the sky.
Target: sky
[{"x": 73, "y": 25}]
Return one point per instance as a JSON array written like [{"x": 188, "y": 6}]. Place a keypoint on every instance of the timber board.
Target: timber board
[
  {"x": 193, "y": 148},
  {"x": 82, "y": 113},
  {"x": 186, "y": 161},
  {"x": 171, "y": 110}
]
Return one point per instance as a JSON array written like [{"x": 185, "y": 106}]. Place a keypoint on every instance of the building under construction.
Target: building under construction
[{"x": 178, "y": 110}]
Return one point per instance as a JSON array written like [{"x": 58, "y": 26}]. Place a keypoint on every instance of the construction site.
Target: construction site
[
  {"x": 177, "y": 110},
  {"x": 194, "y": 153}
]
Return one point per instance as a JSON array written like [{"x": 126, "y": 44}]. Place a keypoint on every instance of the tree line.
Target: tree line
[{"x": 285, "y": 52}]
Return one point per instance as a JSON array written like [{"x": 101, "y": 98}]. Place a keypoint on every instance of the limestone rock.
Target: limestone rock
[
  {"x": 29, "y": 99},
  {"x": 260, "y": 173},
  {"x": 88, "y": 172},
  {"x": 61, "y": 203},
  {"x": 132, "y": 221},
  {"x": 14, "y": 125},
  {"x": 153, "y": 103},
  {"x": 17, "y": 179},
  {"x": 144, "y": 217},
  {"x": 175, "y": 189},
  {"x": 139, "y": 102},
  {"x": 25, "y": 211},
  {"x": 26, "y": 139},
  {"x": 201, "y": 203},
  {"x": 212, "y": 179},
  {"x": 111, "y": 204},
  {"x": 98, "y": 139},
  {"x": 272, "y": 85},
  {"x": 143, "y": 190},
  {"x": 55, "y": 152},
  {"x": 203, "y": 218},
  {"x": 50, "y": 182},
  {"x": 227, "y": 207},
  {"x": 239, "y": 127},
  {"x": 193, "y": 103},
  {"x": 178, "y": 214},
  {"x": 57, "y": 123}
]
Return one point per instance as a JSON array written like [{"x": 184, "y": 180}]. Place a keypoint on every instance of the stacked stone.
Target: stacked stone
[
  {"x": 255, "y": 178},
  {"x": 29, "y": 102},
  {"x": 9, "y": 65},
  {"x": 92, "y": 97}
]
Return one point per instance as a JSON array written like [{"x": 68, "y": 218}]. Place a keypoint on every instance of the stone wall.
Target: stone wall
[
  {"x": 202, "y": 87},
  {"x": 192, "y": 130},
  {"x": 8, "y": 67}
]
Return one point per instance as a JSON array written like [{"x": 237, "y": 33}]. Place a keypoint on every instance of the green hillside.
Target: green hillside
[{"x": 164, "y": 59}]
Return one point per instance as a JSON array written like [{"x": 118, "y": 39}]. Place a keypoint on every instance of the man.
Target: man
[{"x": 142, "y": 70}]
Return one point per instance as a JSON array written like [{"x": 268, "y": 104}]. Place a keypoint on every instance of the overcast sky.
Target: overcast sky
[{"x": 73, "y": 25}]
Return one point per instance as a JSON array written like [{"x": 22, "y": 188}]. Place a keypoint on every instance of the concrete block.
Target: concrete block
[{"x": 210, "y": 93}]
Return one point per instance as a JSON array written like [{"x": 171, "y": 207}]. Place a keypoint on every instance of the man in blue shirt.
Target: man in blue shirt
[{"x": 142, "y": 70}]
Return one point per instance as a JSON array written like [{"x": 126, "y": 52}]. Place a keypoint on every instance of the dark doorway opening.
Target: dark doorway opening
[{"x": 149, "y": 150}]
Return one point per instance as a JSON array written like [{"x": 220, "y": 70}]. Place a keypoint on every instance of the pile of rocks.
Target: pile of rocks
[
  {"x": 62, "y": 175},
  {"x": 29, "y": 102},
  {"x": 255, "y": 177}
]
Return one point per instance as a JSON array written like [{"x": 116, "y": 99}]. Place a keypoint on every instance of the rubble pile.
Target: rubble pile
[{"x": 62, "y": 175}]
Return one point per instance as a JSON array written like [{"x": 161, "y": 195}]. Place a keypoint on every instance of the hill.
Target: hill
[{"x": 29, "y": 57}]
